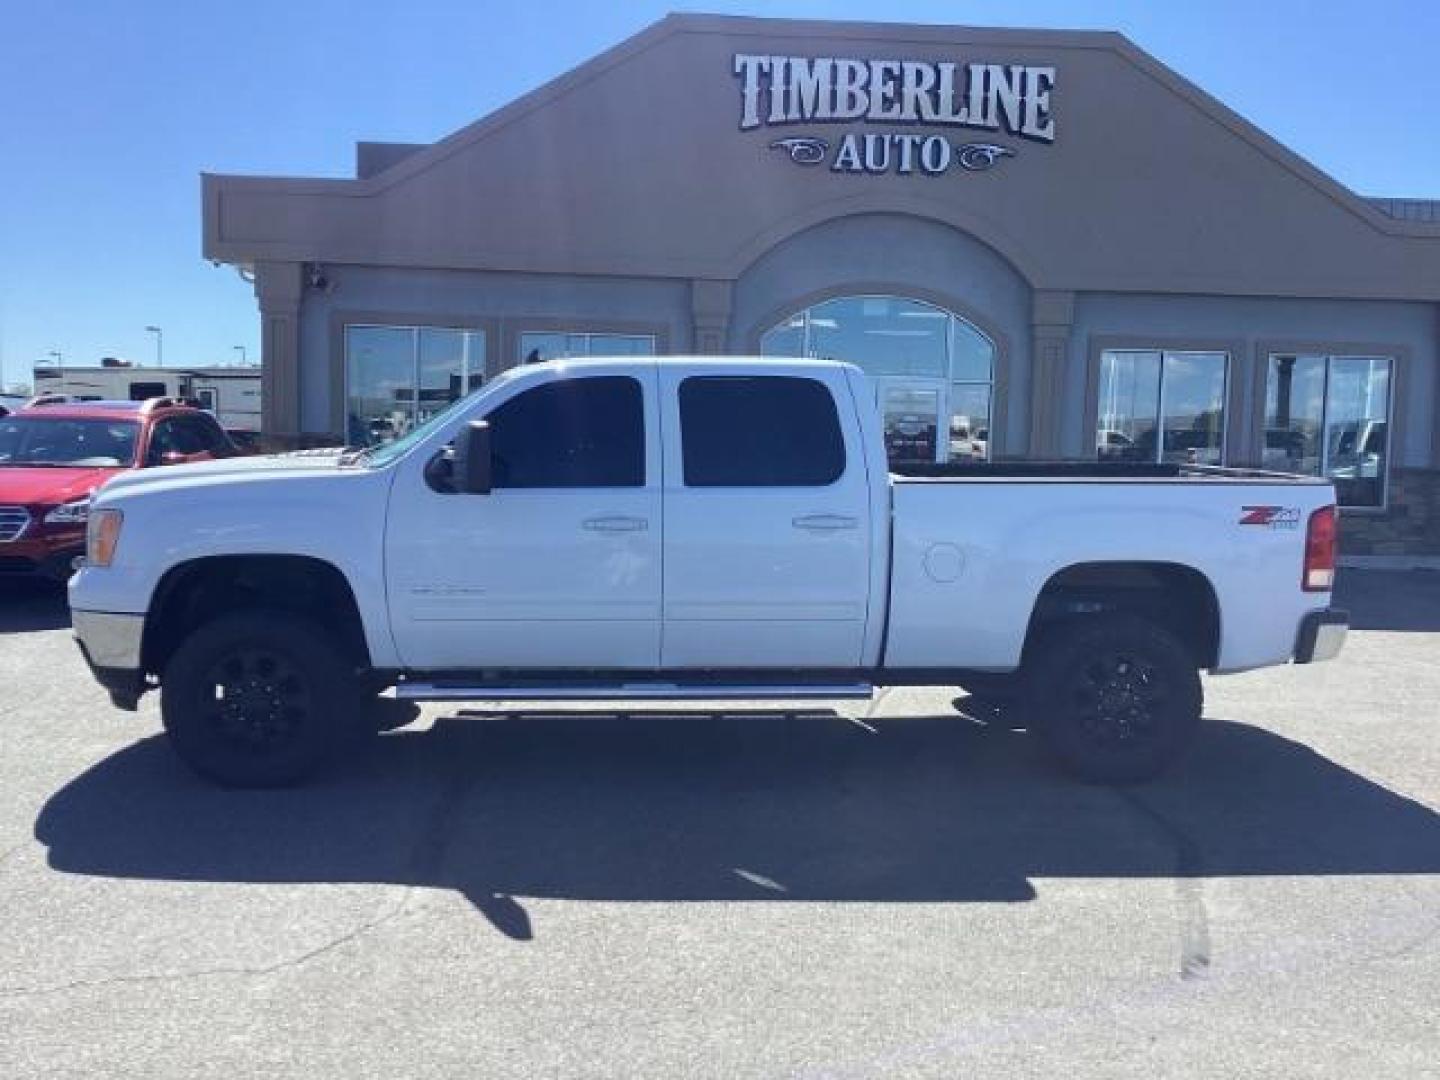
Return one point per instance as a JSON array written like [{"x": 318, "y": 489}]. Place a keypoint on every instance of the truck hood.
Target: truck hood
[
  {"x": 263, "y": 467},
  {"x": 49, "y": 485}
]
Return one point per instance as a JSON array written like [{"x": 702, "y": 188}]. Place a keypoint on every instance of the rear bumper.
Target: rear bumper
[
  {"x": 110, "y": 643},
  {"x": 1322, "y": 635}
]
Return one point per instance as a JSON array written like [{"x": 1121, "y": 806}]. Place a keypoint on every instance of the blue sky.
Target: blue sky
[{"x": 113, "y": 110}]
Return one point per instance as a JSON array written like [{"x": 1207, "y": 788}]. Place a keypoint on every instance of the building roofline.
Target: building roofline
[{"x": 671, "y": 25}]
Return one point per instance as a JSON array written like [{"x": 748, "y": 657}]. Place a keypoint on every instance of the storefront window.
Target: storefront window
[
  {"x": 933, "y": 371},
  {"x": 536, "y": 347},
  {"x": 1329, "y": 416},
  {"x": 397, "y": 377},
  {"x": 1156, "y": 406}
]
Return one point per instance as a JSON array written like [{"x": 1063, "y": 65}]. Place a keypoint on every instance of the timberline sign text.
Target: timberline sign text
[
  {"x": 991, "y": 97},
  {"x": 1013, "y": 99}
]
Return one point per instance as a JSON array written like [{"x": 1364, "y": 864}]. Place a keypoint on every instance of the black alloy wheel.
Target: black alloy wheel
[
  {"x": 258, "y": 699},
  {"x": 1115, "y": 698}
]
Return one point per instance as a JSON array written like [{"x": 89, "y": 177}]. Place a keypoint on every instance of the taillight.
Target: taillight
[{"x": 1320, "y": 547}]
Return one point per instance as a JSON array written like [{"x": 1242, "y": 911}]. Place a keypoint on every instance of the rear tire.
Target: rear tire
[
  {"x": 257, "y": 699},
  {"x": 1114, "y": 698}
]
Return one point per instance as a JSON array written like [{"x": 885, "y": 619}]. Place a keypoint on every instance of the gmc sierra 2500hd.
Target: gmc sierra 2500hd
[{"x": 688, "y": 528}]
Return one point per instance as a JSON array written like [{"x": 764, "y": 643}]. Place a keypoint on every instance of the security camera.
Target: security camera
[{"x": 317, "y": 279}]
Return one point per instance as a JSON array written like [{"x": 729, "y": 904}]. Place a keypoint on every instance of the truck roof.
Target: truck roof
[{"x": 700, "y": 361}]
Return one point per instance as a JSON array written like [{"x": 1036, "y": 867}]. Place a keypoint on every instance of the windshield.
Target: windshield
[
  {"x": 49, "y": 440},
  {"x": 383, "y": 455}
]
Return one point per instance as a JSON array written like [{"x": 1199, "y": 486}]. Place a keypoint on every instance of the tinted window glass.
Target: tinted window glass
[
  {"x": 765, "y": 431},
  {"x": 576, "y": 433},
  {"x": 205, "y": 435},
  {"x": 164, "y": 439}
]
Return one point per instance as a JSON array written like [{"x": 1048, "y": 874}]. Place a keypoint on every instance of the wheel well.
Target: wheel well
[
  {"x": 1179, "y": 598},
  {"x": 194, "y": 592}
]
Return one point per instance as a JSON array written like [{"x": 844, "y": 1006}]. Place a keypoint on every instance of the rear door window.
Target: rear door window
[{"x": 759, "y": 431}]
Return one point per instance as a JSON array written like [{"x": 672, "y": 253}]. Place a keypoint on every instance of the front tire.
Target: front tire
[
  {"x": 1115, "y": 699},
  {"x": 256, "y": 699}
]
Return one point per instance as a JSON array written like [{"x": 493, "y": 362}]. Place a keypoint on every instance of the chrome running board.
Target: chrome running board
[{"x": 630, "y": 691}]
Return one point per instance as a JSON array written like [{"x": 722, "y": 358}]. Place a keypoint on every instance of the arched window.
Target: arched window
[{"x": 932, "y": 370}]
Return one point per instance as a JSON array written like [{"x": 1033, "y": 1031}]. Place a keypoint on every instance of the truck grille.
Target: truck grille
[{"x": 13, "y": 520}]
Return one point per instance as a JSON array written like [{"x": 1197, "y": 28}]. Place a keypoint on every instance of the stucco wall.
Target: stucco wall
[
  {"x": 1251, "y": 327},
  {"x": 908, "y": 256}
]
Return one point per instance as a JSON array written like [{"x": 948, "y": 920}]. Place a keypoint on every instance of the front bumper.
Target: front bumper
[
  {"x": 110, "y": 643},
  {"x": 47, "y": 552},
  {"x": 1321, "y": 636}
]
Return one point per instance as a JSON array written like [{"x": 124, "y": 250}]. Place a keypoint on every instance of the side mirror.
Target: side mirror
[{"x": 470, "y": 459}]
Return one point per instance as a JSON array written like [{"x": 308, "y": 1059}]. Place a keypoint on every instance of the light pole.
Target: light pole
[
  {"x": 59, "y": 363},
  {"x": 241, "y": 350},
  {"x": 159, "y": 344}
]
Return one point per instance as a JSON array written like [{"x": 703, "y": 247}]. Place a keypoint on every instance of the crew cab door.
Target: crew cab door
[
  {"x": 559, "y": 565},
  {"x": 767, "y": 520}
]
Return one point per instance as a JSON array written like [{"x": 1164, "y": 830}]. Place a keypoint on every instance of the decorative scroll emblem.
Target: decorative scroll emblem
[
  {"x": 900, "y": 153},
  {"x": 803, "y": 151},
  {"x": 979, "y": 156}
]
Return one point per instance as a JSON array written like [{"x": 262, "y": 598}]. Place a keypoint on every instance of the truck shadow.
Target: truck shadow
[
  {"x": 27, "y": 606},
  {"x": 717, "y": 808},
  {"x": 1407, "y": 601}
]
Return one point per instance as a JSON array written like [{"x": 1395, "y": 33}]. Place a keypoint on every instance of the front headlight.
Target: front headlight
[
  {"x": 71, "y": 513},
  {"x": 102, "y": 535}
]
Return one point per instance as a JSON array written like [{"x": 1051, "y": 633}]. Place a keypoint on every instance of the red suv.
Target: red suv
[{"x": 56, "y": 451}]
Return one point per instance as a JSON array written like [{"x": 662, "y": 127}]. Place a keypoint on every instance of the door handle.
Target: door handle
[
  {"x": 824, "y": 522},
  {"x": 616, "y": 523}
]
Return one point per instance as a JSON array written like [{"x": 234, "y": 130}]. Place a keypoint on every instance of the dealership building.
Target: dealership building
[{"x": 1037, "y": 243}]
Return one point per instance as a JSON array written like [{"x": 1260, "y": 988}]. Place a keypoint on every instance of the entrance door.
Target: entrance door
[{"x": 911, "y": 411}]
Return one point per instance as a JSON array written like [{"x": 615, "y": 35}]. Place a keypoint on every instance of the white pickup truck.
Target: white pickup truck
[{"x": 712, "y": 528}]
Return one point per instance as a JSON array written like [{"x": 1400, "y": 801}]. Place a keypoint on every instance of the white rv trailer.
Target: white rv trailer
[{"x": 231, "y": 392}]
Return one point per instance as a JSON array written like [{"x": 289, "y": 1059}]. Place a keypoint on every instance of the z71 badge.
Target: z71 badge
[{"x": 1271, "y": 517}]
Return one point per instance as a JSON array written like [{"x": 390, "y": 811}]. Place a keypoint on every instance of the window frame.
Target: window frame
[
  {"x": 415, "y": 328},
  {"x": 946, "y": 383},
  {"x": 518, "y": 357},
  {"x": 824, "y": 387},
  {"x": 1268, "y": 351},
  {"x": 339, "y": 372},
  {"x": 1164, "y": 352}
]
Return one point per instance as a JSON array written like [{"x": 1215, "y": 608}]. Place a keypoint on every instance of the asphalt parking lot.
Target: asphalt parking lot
[{"x": 911, "y": 892}]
